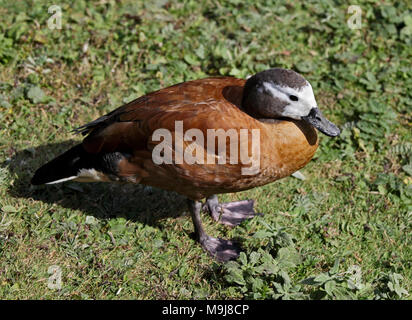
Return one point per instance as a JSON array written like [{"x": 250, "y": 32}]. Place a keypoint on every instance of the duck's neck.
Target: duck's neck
[
  {"x": 236, "y": 95},
  {"x": 247, "y": 107}
]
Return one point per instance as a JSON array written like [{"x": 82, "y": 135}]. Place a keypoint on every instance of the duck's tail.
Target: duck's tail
[{"x": 63, "y": 168}]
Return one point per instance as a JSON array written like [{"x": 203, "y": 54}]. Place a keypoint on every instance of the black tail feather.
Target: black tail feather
[{"x": 66, "y": 165}]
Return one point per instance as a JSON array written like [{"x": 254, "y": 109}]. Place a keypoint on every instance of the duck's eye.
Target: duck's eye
[{"x": 293, "y": 98}]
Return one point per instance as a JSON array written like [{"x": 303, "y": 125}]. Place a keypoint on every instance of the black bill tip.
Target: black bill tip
[{"x": 316, "y": 119}]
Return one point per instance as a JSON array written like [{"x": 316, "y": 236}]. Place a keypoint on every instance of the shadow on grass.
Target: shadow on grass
[{"x": 102, "y": 200}]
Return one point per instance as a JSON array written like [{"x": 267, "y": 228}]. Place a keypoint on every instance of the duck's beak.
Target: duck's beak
[{"x": 316, "y": 119}]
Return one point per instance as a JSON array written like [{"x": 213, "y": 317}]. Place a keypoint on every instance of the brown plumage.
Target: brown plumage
[
  {"x": 212, "y": 103},
  {"x": 119, "y": 145}
]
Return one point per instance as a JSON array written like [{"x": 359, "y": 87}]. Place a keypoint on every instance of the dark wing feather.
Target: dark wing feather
[
  {"x": 130, "y": 125},
  {"x": 111, "y": 117}
]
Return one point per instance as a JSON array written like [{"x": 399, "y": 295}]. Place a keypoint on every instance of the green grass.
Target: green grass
[{"x": 353, "y": 212}]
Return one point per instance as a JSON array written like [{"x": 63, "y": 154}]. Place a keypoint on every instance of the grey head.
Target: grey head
[{"x": 281, "y": 93}]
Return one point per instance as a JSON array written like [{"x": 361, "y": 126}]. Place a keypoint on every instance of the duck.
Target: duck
[{"x": 201, "y": 138}]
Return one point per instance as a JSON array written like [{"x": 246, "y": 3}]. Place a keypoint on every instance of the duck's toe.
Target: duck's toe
[
  {"x": 230, "y": 213},
  {"x": 222, "y": 250},
  {"x": 213, "y": 207},
  {"x": 233, "y": 213}
]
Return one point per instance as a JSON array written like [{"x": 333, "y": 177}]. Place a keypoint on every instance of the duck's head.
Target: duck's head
[{"x": 280, "y": 93}]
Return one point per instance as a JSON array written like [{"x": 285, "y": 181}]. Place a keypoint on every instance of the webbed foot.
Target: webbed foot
[
  {"x": 230, "y": 213},
  {"x": 222, "y": 250}
]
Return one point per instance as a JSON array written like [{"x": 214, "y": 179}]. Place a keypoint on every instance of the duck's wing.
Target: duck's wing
[
  {"x": 198, "y": 104},
  {"x": 131, "y": 124}
]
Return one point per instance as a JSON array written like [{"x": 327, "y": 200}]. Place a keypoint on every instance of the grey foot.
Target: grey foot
[
  {"x": 233, "y": 213},
  {"x": 221, "y": 250},
  {"x": 213, "y": 207},
  {"x": 230, "y": 213}
]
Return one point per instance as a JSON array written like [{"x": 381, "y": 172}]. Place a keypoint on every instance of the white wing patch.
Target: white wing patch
[
  {"x": 85, "y": 175},
  {"x": 91, "y": 175},
  {"x": 62, "y": 180}
]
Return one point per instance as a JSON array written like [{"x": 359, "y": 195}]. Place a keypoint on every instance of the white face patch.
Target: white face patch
[{"x": 294, "y": 109}]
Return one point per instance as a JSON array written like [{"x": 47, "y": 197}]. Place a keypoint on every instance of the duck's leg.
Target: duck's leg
[
  {"x": 222, "y": 250},
  {"x": 230, "y": 213}
]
